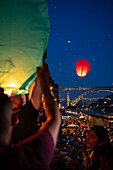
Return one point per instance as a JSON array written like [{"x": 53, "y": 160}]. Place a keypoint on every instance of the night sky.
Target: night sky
[{"x": 81, "y": 29}]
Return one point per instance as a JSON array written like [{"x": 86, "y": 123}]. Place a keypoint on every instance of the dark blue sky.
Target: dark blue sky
[{"x": 88, "y": 24}]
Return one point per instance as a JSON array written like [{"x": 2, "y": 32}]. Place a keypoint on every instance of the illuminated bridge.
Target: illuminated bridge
[{"x": 81, "y": 96}]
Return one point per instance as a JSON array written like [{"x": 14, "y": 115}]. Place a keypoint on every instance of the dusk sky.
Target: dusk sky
[{"x": 88, "y": 25}]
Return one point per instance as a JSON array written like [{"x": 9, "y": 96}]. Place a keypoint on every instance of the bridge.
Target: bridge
[{"x": 80, "y": 97}]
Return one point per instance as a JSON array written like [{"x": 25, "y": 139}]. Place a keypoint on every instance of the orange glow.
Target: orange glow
[
  {"x": 51, "y": 88},
  {"x": 8, "y": 92},
  {"x": 9, "y": 88}
]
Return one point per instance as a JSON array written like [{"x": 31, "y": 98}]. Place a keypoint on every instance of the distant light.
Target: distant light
[
  {"x": 105, "y": 102},
  {"x": 55, "y": 99},
  {"x": 51, "y": 88},
  {"x": 69, "y": 41}
]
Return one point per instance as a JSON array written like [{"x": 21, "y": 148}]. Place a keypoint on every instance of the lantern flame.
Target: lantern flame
[{"x": 8, "y": 92}]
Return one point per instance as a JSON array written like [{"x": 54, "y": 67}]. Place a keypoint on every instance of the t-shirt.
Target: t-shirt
[
  {"x": 35, "y": 153},
  {"x": 27, "y": 125}
]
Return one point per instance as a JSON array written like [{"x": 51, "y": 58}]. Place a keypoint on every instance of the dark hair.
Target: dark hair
[
  {"x": 1, "y": 90},
  {"x": 106, "y": 150},
  {"x": 101, "y": 133},
  {"x": 4, "y": 100}
]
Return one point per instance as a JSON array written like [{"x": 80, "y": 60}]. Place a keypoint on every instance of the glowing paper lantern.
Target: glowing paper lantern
[
  {"x": 82, "y": 67},
  {"x": 24, "y": 33}
]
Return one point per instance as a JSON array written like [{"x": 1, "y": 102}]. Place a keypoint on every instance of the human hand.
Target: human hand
[{"x": 43, "y": 71}]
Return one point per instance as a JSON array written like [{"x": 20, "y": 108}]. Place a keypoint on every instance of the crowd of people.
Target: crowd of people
[{"x": 74, "y": 149}]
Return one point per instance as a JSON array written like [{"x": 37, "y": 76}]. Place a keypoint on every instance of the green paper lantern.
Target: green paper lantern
[{"x": 24, "y": 33}]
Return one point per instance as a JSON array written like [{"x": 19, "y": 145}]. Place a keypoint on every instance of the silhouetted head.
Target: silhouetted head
[
  {"x": 5, "y": 119},
  {"x": 101, "y": 133},
  {"x": 1, "y": 90}
]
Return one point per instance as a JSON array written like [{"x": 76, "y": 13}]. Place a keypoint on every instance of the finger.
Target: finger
[
  {"x": 37, "y": 69},
  {"x": 46, "y": 67}
]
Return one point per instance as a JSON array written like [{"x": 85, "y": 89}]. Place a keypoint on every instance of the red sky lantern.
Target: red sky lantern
[{"x": 82, "y": 67}]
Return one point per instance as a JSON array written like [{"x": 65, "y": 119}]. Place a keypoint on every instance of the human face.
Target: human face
[
  {"x": 92, "y": 140},
  {"x": 16, "y": 101}
]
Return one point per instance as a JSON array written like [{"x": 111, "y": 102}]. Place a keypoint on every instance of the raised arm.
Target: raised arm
[
  {"x": 37, "y": 92},
  {"x": 36, "y": 95},
  {"x": 52, "y": 112}
]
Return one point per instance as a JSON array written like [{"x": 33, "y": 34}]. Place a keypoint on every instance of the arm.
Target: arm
[
  {"x": 52, "y": 112},
  {"x": 85, "y": 157},
  {"x": 36, "y": 95}
]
